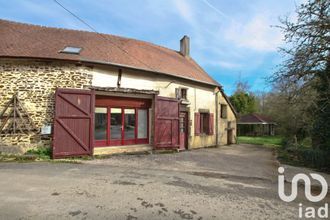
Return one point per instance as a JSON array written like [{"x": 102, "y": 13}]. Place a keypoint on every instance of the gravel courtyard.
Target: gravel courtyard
[{"x": 231, "y": 182}]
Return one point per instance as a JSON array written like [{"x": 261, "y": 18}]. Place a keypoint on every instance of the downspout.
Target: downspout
[{"x": 217, "y": 118}]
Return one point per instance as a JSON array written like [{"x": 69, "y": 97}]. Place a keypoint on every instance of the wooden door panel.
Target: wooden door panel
[
  {"x": 73, "y": 123},
  {"x": 78, "y": 102},
  {"x": 166, "y": 123},
  {"x": 164, "y": 132}
]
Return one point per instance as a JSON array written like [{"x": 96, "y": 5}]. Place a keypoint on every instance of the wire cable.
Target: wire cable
[{"x": 102, "y": 35}]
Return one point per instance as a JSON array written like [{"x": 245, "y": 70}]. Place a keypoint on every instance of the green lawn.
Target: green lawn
[{"x": 264, "y": 140}]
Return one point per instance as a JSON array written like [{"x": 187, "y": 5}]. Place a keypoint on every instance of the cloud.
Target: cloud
[
  {"x": 229, "y": 65},
  {"x": 255, "y": 34},
  {"x": 185, "y": 11},
  {"x": 221, "y": 63}
]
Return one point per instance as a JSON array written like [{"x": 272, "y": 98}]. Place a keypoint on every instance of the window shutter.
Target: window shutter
[
  {"x": 197, "y": 123},
  {"x": 211, "y": 123},
  {"x": 178, "y": 93}
]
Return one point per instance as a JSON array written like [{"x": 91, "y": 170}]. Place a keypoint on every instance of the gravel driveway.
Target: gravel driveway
[{"x": 231, "y": 182}]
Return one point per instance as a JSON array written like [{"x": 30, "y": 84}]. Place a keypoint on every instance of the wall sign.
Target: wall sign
[{"x": 46, "y": 129}]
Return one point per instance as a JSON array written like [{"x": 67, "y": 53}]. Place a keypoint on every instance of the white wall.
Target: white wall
[{"x": 199, "y": 96}]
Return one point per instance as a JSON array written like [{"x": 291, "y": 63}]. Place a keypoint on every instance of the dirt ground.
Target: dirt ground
[{"x": 231, "y": 182}]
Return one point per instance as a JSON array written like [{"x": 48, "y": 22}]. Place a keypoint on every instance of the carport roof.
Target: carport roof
[{"x": 255, "y": 118}]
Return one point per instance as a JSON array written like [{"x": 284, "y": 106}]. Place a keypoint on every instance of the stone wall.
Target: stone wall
[{"x": 35, "y": 83}]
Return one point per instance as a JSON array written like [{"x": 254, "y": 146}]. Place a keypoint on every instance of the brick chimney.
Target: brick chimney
[{"x": 185, "y": 46}]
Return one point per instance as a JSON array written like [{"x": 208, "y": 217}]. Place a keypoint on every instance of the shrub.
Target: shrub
[
  {"x": 44, "y": 152},
  {"x": 313, "y": 158},
  {"x": 319, "y": 159}
]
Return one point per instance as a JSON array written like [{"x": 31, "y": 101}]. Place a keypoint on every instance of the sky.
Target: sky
[{"x": 231, "y": 39}]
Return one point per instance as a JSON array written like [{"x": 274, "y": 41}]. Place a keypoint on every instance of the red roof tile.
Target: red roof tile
[{"x": 32, "y": 41}]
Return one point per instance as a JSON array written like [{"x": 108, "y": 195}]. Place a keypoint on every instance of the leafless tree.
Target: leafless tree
[{"x": 306, "y": 68}]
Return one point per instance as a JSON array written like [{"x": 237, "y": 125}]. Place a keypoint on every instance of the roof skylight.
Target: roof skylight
[{"x": 71, "y": 50}]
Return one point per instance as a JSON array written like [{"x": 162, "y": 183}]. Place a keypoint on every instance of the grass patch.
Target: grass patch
[
  {"x": 273, "y": 141},
  {"x": 42, "y": 153}
]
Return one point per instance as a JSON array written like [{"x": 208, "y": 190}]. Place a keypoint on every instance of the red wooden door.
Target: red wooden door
[
  {"x": 166, "y": 123},
  {"x": 73, "y": 123}
]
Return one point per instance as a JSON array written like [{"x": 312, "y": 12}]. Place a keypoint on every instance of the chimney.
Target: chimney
[{"x": 185, "y": 46}]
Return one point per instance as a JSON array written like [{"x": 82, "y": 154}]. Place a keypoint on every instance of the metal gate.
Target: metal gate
[
  {"x": 73, "y": 123},
  {"x": 166, "y": 122}
]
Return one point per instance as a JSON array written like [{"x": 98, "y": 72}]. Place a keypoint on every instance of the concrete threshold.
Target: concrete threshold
[{"x": 109, "y": 150}]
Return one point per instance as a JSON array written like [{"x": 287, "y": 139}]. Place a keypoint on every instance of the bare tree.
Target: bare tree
[
  {"x": 308, "y": 42},
  {"x": 306, "y": 69}
]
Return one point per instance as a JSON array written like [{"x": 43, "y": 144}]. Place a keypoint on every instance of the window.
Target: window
[
  {"x": 129, "y": 129},
  {"x": 142, "y": 123},
  {"x": 182, "y": 125},
  {"x": 116, "y": 123},
  {"x": 120, "y": 126},
  {"x": 223, "y": 109},
  {"x": 181, "y": 93},
  {"x": 71, "y": 50},
  {"x": 204, "y": 123},
  {"x": 121, "y": 121},
  {"x": 100, "y": 123},
  {"x": 184, "y": 94}
]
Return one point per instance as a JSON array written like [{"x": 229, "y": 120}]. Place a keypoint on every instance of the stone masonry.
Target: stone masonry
[{"x": 35, "y": 83}]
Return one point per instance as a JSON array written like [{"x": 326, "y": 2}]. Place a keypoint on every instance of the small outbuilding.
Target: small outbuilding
[{"x": 255, "y": 125}]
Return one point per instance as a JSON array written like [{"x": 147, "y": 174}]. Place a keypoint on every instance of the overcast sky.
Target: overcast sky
[{"x": 229, "y": 38}]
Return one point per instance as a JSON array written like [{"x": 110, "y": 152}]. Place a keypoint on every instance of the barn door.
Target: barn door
[
  {"x": 166, "y": 122},
  {"x": 73, "y": 123}
]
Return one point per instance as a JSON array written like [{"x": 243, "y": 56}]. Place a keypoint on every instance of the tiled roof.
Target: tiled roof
[
  {"x": 32, "y": 41},
  {"x": 255, "y": 119}
]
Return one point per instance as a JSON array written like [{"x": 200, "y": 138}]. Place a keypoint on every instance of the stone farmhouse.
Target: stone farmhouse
[{"x": 85, "y": 93}]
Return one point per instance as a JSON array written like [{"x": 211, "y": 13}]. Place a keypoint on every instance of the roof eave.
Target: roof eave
[
  {"x": 227, "y": 100},
  {"x": 147, "y": 70},
  {"x": 256, "y": 123}
]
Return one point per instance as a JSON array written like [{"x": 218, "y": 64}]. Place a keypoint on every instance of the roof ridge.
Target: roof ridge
[
  {"x": 91, "y": 32},
  {"x": 257, "y": 116}
]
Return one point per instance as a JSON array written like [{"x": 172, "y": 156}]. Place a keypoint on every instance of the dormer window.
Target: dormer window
[{"x": 71, "y": 50}]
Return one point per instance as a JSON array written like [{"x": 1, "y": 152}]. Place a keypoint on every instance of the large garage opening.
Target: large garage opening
[{"x": 121, "y": 121}]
